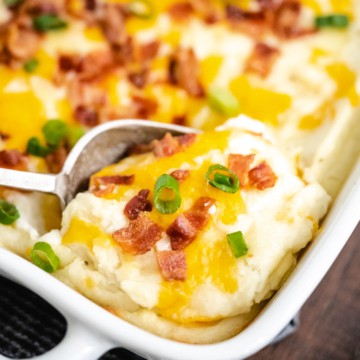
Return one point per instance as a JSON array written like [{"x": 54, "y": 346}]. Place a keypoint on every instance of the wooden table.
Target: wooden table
[{"x": 330, "y": 319}]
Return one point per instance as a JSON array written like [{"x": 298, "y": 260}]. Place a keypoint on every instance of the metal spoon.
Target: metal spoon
[{"x": 101, "y": 146}]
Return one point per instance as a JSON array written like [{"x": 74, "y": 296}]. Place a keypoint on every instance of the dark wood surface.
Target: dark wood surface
[{"x": 330, "y": 319}]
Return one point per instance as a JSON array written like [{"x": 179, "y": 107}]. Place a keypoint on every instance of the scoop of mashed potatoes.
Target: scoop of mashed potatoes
[{"x": 179, "y": 275}]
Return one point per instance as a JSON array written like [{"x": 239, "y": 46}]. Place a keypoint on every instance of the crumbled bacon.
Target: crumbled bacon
[
  {"x": 240, "y": 165},
  {"x": 149, "y": 50},
  {"x": 262, "y": 176},
  {"x": 286, "y": 19},
  {"x": 90, "y": 5},
  {"x": 11, "y": 158},
  {"x": 86, "y": 116},
  {"x": 56, "y": 159},
  {"x": 104, "y": 190},
  {"x": 21, "y": 41},
  {"x": 170, "y": 145},
  {"x": 179, "y": 120},
  {"x": 181, "y": 10},
  {"x": 123, "y": 53},
  {"x": 143, "y": 107},
  {"x": 188, "y": 225},
  {"x": 138, "y": 204},
  {"x": 172, "y": 264},
  {"x": 262, "y": 59},
  {"x": 41, "y": 7},
  {"x": 184, "y": 71},
  {"x": 4, "y": 136},
  {"x": 114, "y": 179},
  {"x": 180, "y": 175},
  {"x": 113, "y": 24},
  {"x": 140, "y": 236},
  {"x": 138, "y": 78}
]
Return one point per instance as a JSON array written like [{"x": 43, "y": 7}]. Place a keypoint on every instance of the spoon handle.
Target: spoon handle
[{"x": 28, "y": 181}]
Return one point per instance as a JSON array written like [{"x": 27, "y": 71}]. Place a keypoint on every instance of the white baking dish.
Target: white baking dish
[{"x": 93, "y": 330}]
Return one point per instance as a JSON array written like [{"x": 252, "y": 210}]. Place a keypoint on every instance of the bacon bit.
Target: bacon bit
[
  {"x": 262, "y": 59},
  {"x": 262, "y": 176},
  {"x": 21, "y": 41},
  {"x": 181, "y": 11},
  {"x": 206, "y": 9},
  {"x": 123, "y": 53},
  {"x": 104, "y": 190},
  {"x": 240, "y": 165},
  {"x": 144, "y": 107},
  {"x": 180, "y": 175},
  {"x": 115, "y": 179},
  {"x": 55, "y": 160},
  {"x": 172, "y": 264},
  {"x": 170, "y": 145},
  {"x": 184, "y": 71},
  {"x": 140, "y": 236},
  {"x": 40, "y": 7},
  {"x": 69, "y": 63},
  {"x": 149, "y": 50},
  {"x": 4, "y": 136},
  {"x": 11, "y": 158},
  {"x": 286, "y": 19},
  {"x": 252, "y": 23},
  {"x": 138, "y": 204},
  {"x": 112, "y": 23},
  {"x": 187, "y": 226},
  {"x": 86, "y": 116},
  {"x": 179, "y": 120},
  {"x": 139, "y": 78},
  {"x": 140, "y": 149},
  {"x": 90, "y": 5}
]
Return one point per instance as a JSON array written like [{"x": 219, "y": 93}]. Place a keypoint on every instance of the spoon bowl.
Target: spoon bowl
[{"x": 101, "y": 146}]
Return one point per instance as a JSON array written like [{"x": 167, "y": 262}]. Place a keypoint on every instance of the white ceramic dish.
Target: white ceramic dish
[{"x": 93, "y": 330}]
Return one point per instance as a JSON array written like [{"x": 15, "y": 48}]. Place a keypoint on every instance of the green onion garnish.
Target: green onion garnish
[
  {"x": 74, "y": 134},
  {"x": 35, "y": 148},
  {"x": 237, "y": 244},
  {"x": 43, "y": 256},
  {"x": 334, "y": 21},
  {"x": 141, "y": 8},
  {"x": 227, "y": 183},
  {"x": 167, "y": 195},
  {"x": 45, "y": 23},
  {"x": 31, "y": 65},
  {"x": 223, "y": 101},
  {"x": 54, "y": 131},
  {"x": 11, "y": 3},
  {"x": 8, "y": 213}
]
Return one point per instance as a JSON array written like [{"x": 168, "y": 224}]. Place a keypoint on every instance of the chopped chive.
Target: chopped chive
[
  {"x": 31, "y": 65},
  {"x": 332, "y": 21},
  {"x": 35, "y": 148},
  {"x": 223, "y": 101},
  {"x": 167, "y": 197},
  {"x": 45, "y": 23},
  {"x": 8, "y": 213},
  {"x": 227, "y": 183},
  {"x": 74, "y": 134},
  {"x": 237, "y": 244},
  {"x": 43, "y": 256},
  {"x": 54, "y": 131}
]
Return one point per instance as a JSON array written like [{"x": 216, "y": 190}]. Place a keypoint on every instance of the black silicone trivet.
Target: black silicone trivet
[{"x": 29, "y": 326}]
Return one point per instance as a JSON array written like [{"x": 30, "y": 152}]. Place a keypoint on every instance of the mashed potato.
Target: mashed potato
[{"x": 220, "y": 293}]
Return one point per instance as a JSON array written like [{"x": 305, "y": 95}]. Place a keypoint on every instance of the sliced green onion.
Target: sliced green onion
[
  {"x": 35, "y": 148},
  {"x": 54, "y": 131},
  {"x": 237, "y": 244},
  {"x": 45, "y": 23},
  {"x": 43, "y": 256},
  {"x": 167, "y": 197},
  {"x": 223, "y": 179},
  {"x": 8, "y": 213},
  {"x": 74, "y": 134},
  {"x": 31, "y": 65},
  {"x": 333, "y": 21},
  {"x": 226, "y": 183},
  {"x": 223, "y": 101},
  {"x": 11, "y": 3},
  {"x": 141, "y": 8}
]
